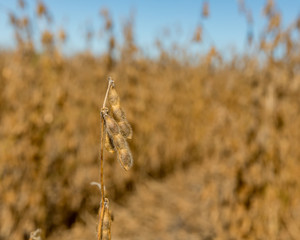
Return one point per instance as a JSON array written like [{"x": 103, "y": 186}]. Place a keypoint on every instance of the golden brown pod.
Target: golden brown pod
[
  {"x": 106, "y": 225},
  {"x": 118, "y": 112},
  {"x": 125, "y": 129},
  {"x": 119, "y": 142},
  {"x": 111, "y": 125},
  {"x": 205, "y": 9},
  {"x": 109, "y": 146},
  {"x": 122, "y": 121},
  {"x": 125, "y": 158},
  {"x": 113, "y": 97}
]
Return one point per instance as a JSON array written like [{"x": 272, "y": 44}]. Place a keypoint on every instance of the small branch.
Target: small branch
[
  {"x": 101, "y": 217},
  {"x": 36, "y": 235},
  {"x": 101, "y": 179},
  {"x": 102, "y": 132},
  {"x": 110, "y": 83},
  {"x": 97, "y": 185},
  {"x": 101, "y": 157}
]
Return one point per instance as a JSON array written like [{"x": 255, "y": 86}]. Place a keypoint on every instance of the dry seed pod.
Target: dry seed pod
[
  {"x": 125, "y": 129},
  {"x": 198, "y": 34},
  {"x": 109, "y": 143},
  {"x": 125, "y": 158},
  {"x": 41, "y": 9},
  {"x": 119, "y": 114},
  {"x": 205, "y": 9},
  {"x": 111, "y": 125},
  {"x": 113, "y": 97},
  {"x": 122, "y": 121},
  {"x": 119, "y": 142},
  {"x": 106, "y": 225}
]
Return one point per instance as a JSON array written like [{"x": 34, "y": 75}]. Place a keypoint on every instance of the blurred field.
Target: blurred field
[{"x": 215, "y": 142}]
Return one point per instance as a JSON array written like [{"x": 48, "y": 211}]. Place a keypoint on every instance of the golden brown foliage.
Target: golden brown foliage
[{"x": 224, "y": 135}]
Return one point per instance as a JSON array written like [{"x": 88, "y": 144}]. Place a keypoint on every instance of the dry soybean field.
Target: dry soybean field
[{"x": 215, "y": 140}]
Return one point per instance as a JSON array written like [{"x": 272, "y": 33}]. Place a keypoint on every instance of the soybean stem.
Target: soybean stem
[
  {"x": 110, "y": 82},
  {"x": 101, "y": 210},
  {"x": 101, "y": 179}
]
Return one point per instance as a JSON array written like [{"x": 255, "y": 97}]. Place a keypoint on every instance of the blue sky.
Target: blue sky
[{"x": 226, "y": 27}]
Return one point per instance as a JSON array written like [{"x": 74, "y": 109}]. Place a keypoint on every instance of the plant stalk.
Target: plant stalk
[{"x": 101, "y": 209}]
